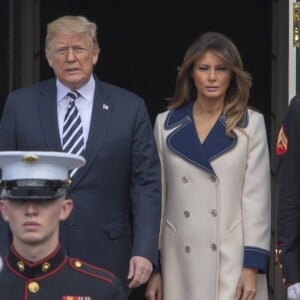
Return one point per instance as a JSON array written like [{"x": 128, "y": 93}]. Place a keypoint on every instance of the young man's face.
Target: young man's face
[{"x": 35, "y": 222}]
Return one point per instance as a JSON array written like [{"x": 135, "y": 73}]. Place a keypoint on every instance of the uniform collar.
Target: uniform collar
[{"x": 43, "y": 268}]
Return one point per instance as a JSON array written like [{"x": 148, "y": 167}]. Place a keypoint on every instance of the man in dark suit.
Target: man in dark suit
[
  {"x": 33, "y": 203},
  {"x": 116, "y": 216}
]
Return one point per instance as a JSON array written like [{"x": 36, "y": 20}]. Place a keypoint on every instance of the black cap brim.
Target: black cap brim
[{"x": 33, "y": 189}]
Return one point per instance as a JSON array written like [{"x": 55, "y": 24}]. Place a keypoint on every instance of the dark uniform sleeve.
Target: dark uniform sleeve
[{"x": 288, "y": 192}]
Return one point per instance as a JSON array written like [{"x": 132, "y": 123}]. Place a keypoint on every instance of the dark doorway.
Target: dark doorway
[
  {"x": 4, "y": 57},
  {"x": 142, "y": 43}
]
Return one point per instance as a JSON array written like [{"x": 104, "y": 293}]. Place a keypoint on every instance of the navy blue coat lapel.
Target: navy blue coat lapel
[
  {"x": 185, "y": 142},
  {"x": 47, "y": 106}
]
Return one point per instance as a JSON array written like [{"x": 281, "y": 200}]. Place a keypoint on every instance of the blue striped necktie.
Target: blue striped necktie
[{"x": 73, "y": 140}]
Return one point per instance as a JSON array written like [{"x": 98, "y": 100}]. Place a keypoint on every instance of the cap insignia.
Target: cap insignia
[
  {"x": 31, "y": 157},
  {"x": 46, "y": 266},
  {"x": 21, "y": 266}
]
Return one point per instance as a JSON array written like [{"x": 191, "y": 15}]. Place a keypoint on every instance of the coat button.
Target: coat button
[
  {"x": 213, "y": 178},
  {"x": 213, "y": 247},
  {"x": 214, "y": 212},
  {"x": 33, "y": 287},
  {"x": 186, "y": 213},
  {"x": 187, "y": 249},
  {"x": 185, "y": 179}
]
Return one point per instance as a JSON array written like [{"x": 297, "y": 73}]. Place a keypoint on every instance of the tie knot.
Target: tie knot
[{"x": 73, "y": 95}]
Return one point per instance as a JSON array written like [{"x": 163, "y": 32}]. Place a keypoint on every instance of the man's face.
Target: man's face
[
  {"x": 72, "y": 57},
  {"x": 35, "y": 222}
]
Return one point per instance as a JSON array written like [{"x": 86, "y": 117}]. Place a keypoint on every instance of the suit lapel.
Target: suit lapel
[
  {"x": 102, "y": 108},
  {"x": 47, "y": 108},
  {"x": 184, "y": 140}
]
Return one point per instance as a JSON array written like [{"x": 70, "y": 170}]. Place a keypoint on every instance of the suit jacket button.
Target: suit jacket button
[{"x": 213, "y": 178}]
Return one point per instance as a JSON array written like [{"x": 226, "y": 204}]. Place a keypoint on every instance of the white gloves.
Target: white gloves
[{"x": 293, "y": 291}]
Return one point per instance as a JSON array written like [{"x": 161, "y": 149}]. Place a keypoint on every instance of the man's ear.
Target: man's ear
[
  {"x": 3, "y": 208},
  {"x": 66, "y": 209}
]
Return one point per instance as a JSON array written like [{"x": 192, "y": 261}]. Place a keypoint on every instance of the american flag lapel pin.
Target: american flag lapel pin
[{"x": 105, "y": 107}]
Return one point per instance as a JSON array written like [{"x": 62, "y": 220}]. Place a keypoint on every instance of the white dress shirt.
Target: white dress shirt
[{"x": 84, "y": 105}]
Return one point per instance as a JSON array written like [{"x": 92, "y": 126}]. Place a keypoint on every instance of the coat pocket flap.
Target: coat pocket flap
[{"x": 116, "y": 231}]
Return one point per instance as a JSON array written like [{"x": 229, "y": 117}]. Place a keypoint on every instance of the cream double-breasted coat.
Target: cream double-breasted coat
[{"x": 216, "y": 206}]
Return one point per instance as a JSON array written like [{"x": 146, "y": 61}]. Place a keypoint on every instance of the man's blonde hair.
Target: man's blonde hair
[{"x": 72, "y": 25}]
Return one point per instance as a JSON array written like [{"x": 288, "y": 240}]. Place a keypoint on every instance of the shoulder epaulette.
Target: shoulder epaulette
[{"x": 92, "y": 271}]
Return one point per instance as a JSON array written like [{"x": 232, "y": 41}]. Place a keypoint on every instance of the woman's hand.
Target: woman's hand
[
  {"x": 246, "y": 288},
  {"x": 154, "y": 287}
]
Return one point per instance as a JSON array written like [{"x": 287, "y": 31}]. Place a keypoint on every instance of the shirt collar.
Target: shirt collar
[{"x": 86, "y": 91}]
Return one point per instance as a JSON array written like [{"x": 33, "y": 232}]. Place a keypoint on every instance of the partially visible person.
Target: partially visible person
[
  {"x": 215, "y": 229},
  {"x": 288, "y": 196},
  {"x": 117, "y": 200},
  {"x": 33, "y": 202}
]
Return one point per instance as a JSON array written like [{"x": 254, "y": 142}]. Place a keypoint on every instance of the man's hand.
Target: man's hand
[
  {"x": 293, "y": 291},
  {"x": 140, "y": 269}
]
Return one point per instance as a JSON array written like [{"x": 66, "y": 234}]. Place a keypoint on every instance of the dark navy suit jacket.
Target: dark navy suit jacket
[{"x": 116, "y": 194}]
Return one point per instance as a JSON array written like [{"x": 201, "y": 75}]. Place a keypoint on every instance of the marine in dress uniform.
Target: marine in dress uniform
[
  {"x": 288, "y": 192},
  {"x": 42, "y": 177}
]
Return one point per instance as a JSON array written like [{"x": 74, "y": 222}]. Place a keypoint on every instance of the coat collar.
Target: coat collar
[{"x": 185, "y": 142}]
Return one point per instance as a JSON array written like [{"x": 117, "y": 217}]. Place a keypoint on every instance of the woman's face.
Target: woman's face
[{"x": 211, "y": 77}]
